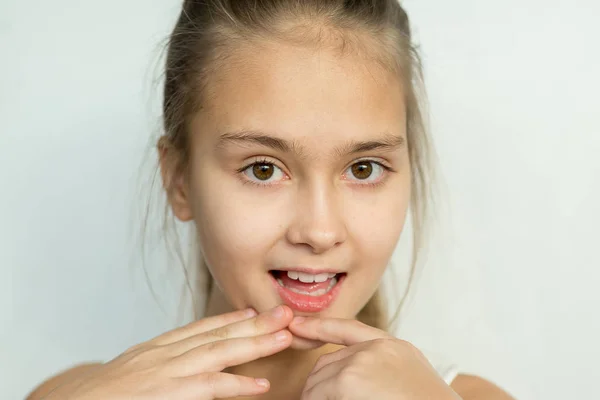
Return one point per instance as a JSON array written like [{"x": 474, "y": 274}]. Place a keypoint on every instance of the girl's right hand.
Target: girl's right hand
[{"x": 187, "y": 363}]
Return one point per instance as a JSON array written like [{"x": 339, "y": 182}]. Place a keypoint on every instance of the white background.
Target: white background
[{"x": 511, "y": 291}]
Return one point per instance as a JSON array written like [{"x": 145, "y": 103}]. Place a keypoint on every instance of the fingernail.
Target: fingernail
[
  {"x": 281, "y": 336},
  {"x": 299, "y": 320},
  {"x": 262, "y": 382},
  {"x": 250, "y": 312},
  {"x": 278, "y": 312}
]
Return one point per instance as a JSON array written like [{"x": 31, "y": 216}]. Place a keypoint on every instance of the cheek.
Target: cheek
[
  {"x": 236, "y": 229},
  {"x": 375, "y": 235},
  {"x": 376, "y": 231}
]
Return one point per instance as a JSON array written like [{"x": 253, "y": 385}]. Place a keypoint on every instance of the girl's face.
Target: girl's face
[{"x": 299, "y": 170}]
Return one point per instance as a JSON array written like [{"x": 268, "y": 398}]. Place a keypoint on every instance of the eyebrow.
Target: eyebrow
[
  {"x": 256, "y": 137},
  {"x": 386, "y": 142}
]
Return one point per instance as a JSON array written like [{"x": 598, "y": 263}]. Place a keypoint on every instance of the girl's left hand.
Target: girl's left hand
[{"x": 374, "y": 365}]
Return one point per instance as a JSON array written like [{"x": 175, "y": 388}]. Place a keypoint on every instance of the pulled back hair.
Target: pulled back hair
[{"x": 208, "y": 32}]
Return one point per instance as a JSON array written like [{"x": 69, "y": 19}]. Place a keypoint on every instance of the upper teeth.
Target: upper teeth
[{"x": 309, "y": 278}]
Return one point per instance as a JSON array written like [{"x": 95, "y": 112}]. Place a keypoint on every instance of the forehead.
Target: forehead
[{"x": 304, "y": 93}]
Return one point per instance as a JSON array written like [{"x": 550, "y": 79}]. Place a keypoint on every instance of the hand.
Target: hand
[
  {"x": 374, "y": 365},
  {"x": 186, "y": 363}
]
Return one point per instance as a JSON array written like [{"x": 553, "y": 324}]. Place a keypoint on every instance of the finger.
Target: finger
[
  {"x": 270, "y": 321},
  {"x": 325, "y": 373},
  {"x": 203, "y": 325},
  {"x": 216, "y": 356},
  {"x": 222, "y": 385},
  {"x": 301, "y": 343},
  {"x": 323, "y": 390},
  {"x": 333, "y": 357},
  {"x": 324, "y": 386},
  {"x": 335, "y": 330}
]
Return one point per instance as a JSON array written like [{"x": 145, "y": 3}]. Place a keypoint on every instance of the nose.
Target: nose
[{"x": 318, "y": 220}]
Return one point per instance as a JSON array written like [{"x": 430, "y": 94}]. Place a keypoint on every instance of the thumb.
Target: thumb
[{"x": 344, "y": 332}]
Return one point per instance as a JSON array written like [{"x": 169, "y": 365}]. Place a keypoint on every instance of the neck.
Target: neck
[{"x": 287, "y": 370}]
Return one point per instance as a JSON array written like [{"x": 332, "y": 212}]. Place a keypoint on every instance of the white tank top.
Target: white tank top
[{"x": 447, "y": 371}]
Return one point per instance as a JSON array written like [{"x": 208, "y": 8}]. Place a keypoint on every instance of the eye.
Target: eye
[
  {"x": 366, "y": 171},
  {"x": 263, "y": 172}
]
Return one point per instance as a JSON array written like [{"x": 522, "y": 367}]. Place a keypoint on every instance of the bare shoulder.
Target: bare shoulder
[
  {"x": 470, "y": 387},
  {"x": 57, "y": 380}
]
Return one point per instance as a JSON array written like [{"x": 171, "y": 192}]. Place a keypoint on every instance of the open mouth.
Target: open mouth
[{"x": 307, "y": 292}]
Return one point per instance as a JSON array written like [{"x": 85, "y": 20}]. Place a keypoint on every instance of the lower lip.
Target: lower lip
[{"x": 306, "y": 303}]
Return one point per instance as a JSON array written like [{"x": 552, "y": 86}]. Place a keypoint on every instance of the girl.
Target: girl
[{"x": 294, "y": 141}]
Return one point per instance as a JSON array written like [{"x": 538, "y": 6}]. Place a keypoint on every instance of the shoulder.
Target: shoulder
[
  {"x": 59, "y": 379},
  {"x": 470, "y": 387}
]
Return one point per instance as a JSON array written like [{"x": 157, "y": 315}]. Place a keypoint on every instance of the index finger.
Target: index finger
[
  {"x": 203, "y": 325},
  {"x": 340, "y": 331}
]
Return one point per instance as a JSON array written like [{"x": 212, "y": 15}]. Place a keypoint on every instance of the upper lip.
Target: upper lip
[{"x": 308, "y": 270}]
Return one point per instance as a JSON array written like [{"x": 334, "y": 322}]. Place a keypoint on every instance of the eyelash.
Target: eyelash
[
  {"x": 262, "y": 161},
  {"x": 387, "y": 169}
]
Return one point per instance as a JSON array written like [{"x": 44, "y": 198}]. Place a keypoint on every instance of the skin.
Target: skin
[
  {"x": 313, "y": 212},
  {"x": 185, "y": 364}
]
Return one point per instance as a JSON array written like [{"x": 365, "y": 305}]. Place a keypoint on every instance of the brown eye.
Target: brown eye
[
  {"x": 366, "y": 172},
  {"x": 263, "y": 171},
  {"x": 362, "y": 170}
]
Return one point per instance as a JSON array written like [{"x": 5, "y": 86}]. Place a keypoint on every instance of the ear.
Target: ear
[{"x": 174, "y": 180}]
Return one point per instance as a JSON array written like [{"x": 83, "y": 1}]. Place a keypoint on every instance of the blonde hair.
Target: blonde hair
[{"x": 207, "y": 31}]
